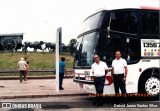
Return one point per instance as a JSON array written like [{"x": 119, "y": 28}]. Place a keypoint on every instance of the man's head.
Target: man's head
[
  {"x": 22, "y": 59},
  {"x": 96, "y": 58},
  {"x": 25, "y": 58},
  {"x": 63, "y": 59},
  {"x": 118, "y": 54}
]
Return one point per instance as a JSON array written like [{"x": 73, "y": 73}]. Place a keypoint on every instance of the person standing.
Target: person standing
[
  {"x": 99, "y": 70},
  {"x": 61, "y": 72},
  {"x": 27, "y": 68},
  {"x": 22, "y": 69},
  {"x": 119, "y": 74}
]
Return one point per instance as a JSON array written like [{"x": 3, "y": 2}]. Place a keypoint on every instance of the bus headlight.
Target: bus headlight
[{"x": 90, "y": 78}]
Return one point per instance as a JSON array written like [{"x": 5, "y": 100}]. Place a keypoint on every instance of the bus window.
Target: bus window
[
  {"x": 124, "y": 21},
  {"x": 86, "y": 50},
  {"x": 78, "y": 50},
  {"x": 150, "y": 22},
  {"x": 93, "y": 22},
  {"x": 107, "y": 47}
]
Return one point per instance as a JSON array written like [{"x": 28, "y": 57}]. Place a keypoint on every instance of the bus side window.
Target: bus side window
[
  {"x": 150, "y": 22},
  {"x": 124, "y": 21},
  {"x": 133, "y": 50}
]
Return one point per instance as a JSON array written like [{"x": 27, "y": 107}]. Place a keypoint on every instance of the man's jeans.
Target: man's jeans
[
  {"x": 119, "y": 84},
  {"x": 22, "y": 73},
  {"x": 61, "y": 76},
  {"x": 99, "y": 85}
]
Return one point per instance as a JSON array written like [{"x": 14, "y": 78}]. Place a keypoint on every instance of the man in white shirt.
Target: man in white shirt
[
  {"x": 99, "y": 70},
  {"x": 119, "y": 74},
  {"x": 22, "y": 65}
]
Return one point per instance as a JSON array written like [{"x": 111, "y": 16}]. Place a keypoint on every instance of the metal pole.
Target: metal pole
[{"x": 57, "y": 60}]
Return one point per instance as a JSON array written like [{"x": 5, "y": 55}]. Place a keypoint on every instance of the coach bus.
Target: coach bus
[{"x": 134, "y": 30}]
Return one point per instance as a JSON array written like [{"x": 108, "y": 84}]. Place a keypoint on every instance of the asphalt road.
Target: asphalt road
[{"x": 80, "y": 103}]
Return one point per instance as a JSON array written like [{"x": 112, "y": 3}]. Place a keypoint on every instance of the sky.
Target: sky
[{"x": 39, "y": 19}]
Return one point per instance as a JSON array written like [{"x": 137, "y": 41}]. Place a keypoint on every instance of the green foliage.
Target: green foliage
[{"x": 37, "y": 60}]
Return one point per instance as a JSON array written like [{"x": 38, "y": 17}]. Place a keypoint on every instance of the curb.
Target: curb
[
  {"x": 31, "y": 77},
  {"x": 41, "y": 96}
]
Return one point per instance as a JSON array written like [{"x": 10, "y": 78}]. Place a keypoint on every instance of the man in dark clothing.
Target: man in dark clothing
[{"x": 61, "y": 72}]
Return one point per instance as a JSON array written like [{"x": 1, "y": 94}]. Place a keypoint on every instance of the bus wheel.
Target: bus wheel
[{"x": 150, "y": 85}]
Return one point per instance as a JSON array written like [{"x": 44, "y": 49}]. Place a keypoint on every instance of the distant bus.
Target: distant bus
[{"x": 134, "y": 30}]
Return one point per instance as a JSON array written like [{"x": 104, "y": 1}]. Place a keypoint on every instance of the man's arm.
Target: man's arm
[
  {"x": 106, "y": 69},
  {"x": 26, "y": 65},
  {"x": 112, "y": 72},
  {"x": 92, "y": 69},
  {"x": 65, "y": 69},
  {"x": 18, "y": 65},
  {"x": 125, "y": 75},
  {"x": 126, "y": 71}
]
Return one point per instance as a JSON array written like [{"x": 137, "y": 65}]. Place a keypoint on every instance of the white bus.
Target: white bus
[{"x": 134, "y": 30}]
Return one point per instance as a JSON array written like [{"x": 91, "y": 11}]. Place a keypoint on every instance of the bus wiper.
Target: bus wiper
[{"x": 109, "y": 25}]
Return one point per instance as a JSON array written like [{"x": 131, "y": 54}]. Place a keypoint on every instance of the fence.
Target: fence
[{"x": 33, "y": 72}]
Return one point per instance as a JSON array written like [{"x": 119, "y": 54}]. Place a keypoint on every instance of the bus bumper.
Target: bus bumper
[
  {"x": 83, "y": 81},
  {"x": 86, "y": 85}
]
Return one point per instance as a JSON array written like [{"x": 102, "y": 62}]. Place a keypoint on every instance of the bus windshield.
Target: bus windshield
[
  {"x": 85, "y": 49},
  {"x": 93, "y": 22}
]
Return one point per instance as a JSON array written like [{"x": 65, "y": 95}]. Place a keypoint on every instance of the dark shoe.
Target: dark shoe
[
  {"x": 125, "y": 104},
  {"x": 94, "y": 103},
  {"x": 100, "y": 104},
  {"x": 61, "y": 88}
]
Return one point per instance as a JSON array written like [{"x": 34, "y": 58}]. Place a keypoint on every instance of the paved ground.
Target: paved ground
[
  {"x": 75, "y": 103},
  {"x": 53, "y": 100},
  {"x": 36, "y": 88}
]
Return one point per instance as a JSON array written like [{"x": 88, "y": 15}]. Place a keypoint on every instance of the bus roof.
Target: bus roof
[
  {"x": 132, "y": 4},
  {"x": 11, "y": 34}
]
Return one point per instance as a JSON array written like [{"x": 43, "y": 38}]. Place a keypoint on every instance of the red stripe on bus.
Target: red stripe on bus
[
  {"x": 150, "y": 8},
  {"x": 109, "y": 79}
]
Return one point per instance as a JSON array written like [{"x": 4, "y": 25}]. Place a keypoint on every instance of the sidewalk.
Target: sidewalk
[
  {"x": 37, "y": 88},
  {"x": 33, "y": 77}
]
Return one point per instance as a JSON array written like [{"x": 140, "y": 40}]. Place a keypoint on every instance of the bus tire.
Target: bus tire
[{"x": 149, "y": 85}]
